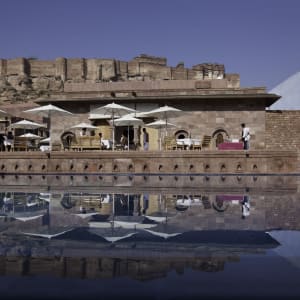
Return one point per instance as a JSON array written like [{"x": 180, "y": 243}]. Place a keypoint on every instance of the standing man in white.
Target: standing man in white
[{"x": 245, "y": 136}]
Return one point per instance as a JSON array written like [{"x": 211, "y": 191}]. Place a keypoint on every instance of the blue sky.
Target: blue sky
[{"x": 259, "y": 39}]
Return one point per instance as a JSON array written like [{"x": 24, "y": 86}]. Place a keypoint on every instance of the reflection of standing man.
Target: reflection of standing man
[
  {"x": 145, "y": 139},
  {"x": 145, "y": 203},
  {"x": 245, "y": 207},
  {"x": 245, "y": 136}
]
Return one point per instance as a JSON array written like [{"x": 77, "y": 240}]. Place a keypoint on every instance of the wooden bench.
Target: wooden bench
[
  {"x": 22, "y": 144},
  {"x": 85, "y": 143},
  {"x": 206, "y": 141}
]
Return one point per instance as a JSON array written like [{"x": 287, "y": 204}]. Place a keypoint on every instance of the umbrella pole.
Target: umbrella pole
[
  {"x": 49, "y": 120},
  {"x": 166, "y": 132},
  {"x": 159, "y": 138},
  {"x": 113, "y": 133},
  {"x": 128, "y": 138}
]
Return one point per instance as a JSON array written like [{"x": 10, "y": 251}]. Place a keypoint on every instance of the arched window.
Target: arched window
[
  {"x": 181, "y": 134},
  {"x": 219, "y": 136}
]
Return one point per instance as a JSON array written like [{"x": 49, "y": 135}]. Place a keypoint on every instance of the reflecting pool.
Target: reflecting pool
[{"x": 232, "y": 241}]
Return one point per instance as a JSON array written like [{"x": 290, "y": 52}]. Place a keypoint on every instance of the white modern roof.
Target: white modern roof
[{"x": 289, "y": 90}]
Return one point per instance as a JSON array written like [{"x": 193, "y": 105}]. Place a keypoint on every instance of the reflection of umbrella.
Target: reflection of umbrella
[
  {"x": 84, "y": 125},
  {"x": 128, "y": 120},
  {"x": 114, "y": 110},
  {"x": 86, "y": 215},
  {"x": 100, "y": 224},
  {"x": 47, "y": 235},
  {"x": 159, "y": 124},
  {"x": 164, "y": 113},
  {"x": 24, "y": 124},
  {"x": 163, "y": 234},
  {"x": 112, "y": 235},
  {"x": 24, "y": 219},
  {"x": 165, "y": 230},
  {"x": 48, "y": 111},
  {"x": 157, "y": 219},
  {"x": 133, "y": 225},
  {"x": 118, "y": 238}
]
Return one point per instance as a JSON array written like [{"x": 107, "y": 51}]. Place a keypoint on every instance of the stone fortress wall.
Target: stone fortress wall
[
  {"x": 29, "y": 78},
  {"x": 282, "y": 129}
]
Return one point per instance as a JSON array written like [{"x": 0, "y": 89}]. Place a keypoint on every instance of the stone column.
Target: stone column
[{"x": 136, "y": 136}]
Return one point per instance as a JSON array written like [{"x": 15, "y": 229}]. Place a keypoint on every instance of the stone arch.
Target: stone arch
[
  {"x": 181, "y": 134},
  {"x": 67, "y": 138},
  {"x": 219, "y": 136}
]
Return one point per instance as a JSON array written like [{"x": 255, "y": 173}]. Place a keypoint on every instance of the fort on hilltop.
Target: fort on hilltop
[{"x": 29, "y": 78}]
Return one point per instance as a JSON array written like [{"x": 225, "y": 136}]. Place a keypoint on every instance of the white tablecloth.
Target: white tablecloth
[
  {"x": 107, "y": 144},
  {"x": 45, "y": 148},
  {"x": 188, "y": 142}
]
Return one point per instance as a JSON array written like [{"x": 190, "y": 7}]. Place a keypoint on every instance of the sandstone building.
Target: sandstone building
[{"x": 212, "y": 101}]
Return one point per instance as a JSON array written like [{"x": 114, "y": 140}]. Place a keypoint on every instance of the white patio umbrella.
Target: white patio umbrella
[
  {"x": 25, "y": 124},
  {"x": 128, "y": 120},
  {"x": 46, "y": 140},
  {"x": 83, "y": 125},
  {"x": 31, "y": 136},
  {"x": 47, "y": 111},
  {"x": 164, "y": 113},
  {"x": 95, "y": 116},
  {"x": 159, "y": 124},
  {"x": 115, "y": 111}
]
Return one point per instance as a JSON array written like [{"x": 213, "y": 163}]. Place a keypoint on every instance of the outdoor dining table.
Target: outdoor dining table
[
  {"x": 44, "y": 148},
  {"x": 188, "y": 143},
  {"x": 107, "y": 143}
]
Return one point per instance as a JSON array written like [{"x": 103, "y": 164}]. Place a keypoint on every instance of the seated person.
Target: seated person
[
  {"x": 83, "y": 132},
  {"x": 2, "y": 139},
  {"x": 31, "y": 144},
  {"x": 124, "y": 141},
  {"x": 102, "y": 146},
  {"x": 8, "y": 141}
]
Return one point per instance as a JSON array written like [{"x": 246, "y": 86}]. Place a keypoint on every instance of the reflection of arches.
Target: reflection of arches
[
  {"x": 219, "y": 136},
  {"x": 219, "y": 204},
  {"x": 181, "y": 134},
  {"x": 67, "y": 202}
]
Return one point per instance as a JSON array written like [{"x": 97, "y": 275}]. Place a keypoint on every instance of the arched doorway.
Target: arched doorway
[
  {"x": 219, "y": 136},
  {"x": 67, "y": 138}
]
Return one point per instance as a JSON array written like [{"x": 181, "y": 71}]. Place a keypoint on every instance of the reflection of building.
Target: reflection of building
[
  {"x": 143, "y": 264},
  {"x": 107, "y": 267}
]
